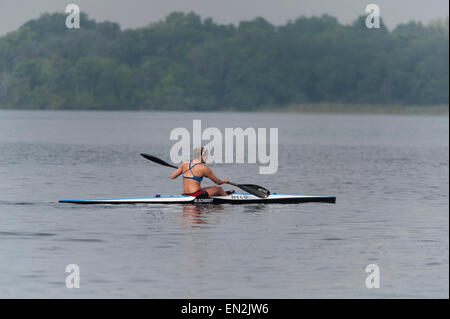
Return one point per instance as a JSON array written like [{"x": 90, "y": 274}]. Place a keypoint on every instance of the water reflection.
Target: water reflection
[
  {"x": 196, "y": 215},
  {"x": 252, "y": 208}
]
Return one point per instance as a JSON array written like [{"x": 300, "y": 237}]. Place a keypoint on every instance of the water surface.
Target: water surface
[{"x": 389, "y": 173}]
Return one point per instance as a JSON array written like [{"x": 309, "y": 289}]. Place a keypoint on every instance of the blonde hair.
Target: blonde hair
[{"x": 199, "y": 152}]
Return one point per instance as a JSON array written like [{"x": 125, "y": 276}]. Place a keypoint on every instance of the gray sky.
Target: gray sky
[{"x": 137, "y": 13}]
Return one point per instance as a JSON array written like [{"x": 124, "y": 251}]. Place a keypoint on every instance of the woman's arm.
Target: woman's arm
[
  {"x": 208, "y": 173},
  {"x": 177, "y": 172}
]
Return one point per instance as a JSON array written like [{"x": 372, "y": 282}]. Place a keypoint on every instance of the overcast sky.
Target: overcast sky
[{"x": 137, "y": 13}]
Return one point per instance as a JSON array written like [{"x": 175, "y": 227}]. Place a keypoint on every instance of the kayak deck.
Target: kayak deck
[{"x": 235, "y": 198}]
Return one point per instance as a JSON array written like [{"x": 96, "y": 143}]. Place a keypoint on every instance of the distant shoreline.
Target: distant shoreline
[
  {"x": 328, "y": 108},
  {"x": 363, "y": 109}
]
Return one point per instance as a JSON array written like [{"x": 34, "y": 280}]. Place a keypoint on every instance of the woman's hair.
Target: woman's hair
[{"x": 199, "y": 152}]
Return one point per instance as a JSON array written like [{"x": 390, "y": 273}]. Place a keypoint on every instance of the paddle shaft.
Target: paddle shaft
[{"x": 157, "y": 160}]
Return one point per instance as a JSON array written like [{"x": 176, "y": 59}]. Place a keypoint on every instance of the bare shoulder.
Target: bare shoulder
[{"x": 206, "y": 169}]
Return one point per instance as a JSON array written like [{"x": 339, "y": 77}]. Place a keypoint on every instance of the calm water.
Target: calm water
[{"x": 389, "y": 173}]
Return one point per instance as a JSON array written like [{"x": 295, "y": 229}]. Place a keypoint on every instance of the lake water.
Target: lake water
[{"x": 390, "y": 175}]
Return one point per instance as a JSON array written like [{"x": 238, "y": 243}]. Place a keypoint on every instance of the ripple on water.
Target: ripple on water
[
  {"x": 24, "y": 234},
  {"x": 83, "y": 240}
]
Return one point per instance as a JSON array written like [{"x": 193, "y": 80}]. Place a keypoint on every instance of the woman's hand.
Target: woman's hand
[
  {"x": 177, "y": 172},
  {"x": 225, "y": 181}
]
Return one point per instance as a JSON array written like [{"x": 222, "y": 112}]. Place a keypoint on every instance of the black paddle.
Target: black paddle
[
  {"x": 157, "y": 160},
  {"x": 256, "y": 190}
]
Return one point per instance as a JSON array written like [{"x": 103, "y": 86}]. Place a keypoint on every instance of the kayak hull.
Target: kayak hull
[{"x": 235, "y": 199}]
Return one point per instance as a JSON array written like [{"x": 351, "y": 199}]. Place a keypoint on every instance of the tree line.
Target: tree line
[{"x": 185, "y": 62}]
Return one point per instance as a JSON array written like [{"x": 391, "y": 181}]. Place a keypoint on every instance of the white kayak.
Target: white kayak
[{"x": 235, "y": 198}]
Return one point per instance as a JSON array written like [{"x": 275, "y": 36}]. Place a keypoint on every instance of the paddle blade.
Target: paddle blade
[
  {"x": 157, "y": 160},
  {"x": 256, "y": 190}
]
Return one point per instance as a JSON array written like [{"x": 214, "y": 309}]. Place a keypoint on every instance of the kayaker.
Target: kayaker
[{"x": 193, "y": 172}]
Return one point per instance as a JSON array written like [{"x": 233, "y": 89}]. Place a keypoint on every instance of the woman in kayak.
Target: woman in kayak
[{"x": 193, "y": 173}]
